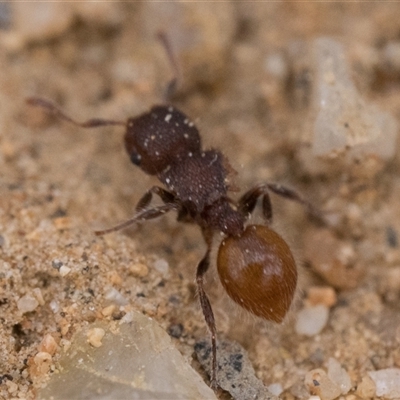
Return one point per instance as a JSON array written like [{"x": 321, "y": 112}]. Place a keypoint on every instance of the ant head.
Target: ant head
[
  {"x": 258, "y": 272},
  {"x": 161, "y": 137}
]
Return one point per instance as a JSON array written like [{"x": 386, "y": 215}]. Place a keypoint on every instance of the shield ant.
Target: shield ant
[{"x": 254, "y": 263}]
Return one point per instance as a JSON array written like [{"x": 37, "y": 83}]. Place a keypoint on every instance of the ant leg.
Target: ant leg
[
  {"x": 206, "y": 306},
  {"x": 248, "y": 201},
  {"x": 51, "y": 108},
  {"x": 166, "y": 196},
  {"x": 291, "y": 194},
  {"x": 141, "y": 216}
]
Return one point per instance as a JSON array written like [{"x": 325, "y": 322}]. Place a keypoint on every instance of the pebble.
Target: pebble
[
  {"x": 95, "y": 336},
  {"x": 64, "y": 270},
  {"x": 42, "y": 361},
  {"x": 344, "y": 121},
  {"x": 116, "y": 297},
  {"x": 127, "y": 318},
  {"x": 48, "y": 345},
  {"x": 107, "y": 311},
  {"x": 236, "y": 374},
  {"x": 135, "y": 361},
  {"x": 311, "y": 320},
  {"x": 366, "y": 389},
  {"x": 325, "y": 295},
  {"x": 319, "y": 384},
  {"x": 27, "y": 303},
  {"x": 139, "y": 270},
  {"x": 387, "y": 382},
  {"x": 161, "y": 266},
  {"x": 275, "y": 388},
  {"x": 54, "y": 306},
  {"x": 56, "y": 264},
  {"x": 339, "y": 375}
]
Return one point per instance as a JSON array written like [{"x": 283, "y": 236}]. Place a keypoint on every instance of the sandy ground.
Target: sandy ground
[{"x": 59, "y": 183}]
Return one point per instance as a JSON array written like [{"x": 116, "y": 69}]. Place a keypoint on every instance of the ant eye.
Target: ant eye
[
  {"x": 258, "y": 272},
  {"x": 136, "y": 158}
]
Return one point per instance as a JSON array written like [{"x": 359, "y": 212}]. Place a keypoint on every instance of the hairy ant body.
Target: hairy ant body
[{"x": 255, "y": 265}]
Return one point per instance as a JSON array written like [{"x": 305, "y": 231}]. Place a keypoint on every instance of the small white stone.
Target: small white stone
[
  {"x": 64, "y": 271},
  {"x": 127, "y": 318},
  {"x": 339, "y": 375},
  {"x": 275, "y": 388},
  {"x": 387, "y": 382},
  {"x": 311, "y": 320},
  {"x": 55, "y": 307},
  {"x": 115, "y": 296},
  {"x": 161, "y": 266},
  {"x": 27, "y": 304}
]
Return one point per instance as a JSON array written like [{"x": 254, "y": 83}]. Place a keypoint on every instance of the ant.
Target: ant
[{"x": 254, "y": 263}]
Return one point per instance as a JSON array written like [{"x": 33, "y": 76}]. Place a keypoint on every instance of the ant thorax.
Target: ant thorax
[{"x": 197, "y": 180}]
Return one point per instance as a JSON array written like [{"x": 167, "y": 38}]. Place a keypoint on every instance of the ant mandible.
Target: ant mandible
[{"x": 254, "y": 263}]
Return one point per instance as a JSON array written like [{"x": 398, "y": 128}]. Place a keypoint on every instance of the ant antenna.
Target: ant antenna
[
  {"x": 50, "y": 107},
  {"x": 175, "y": 82}
]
